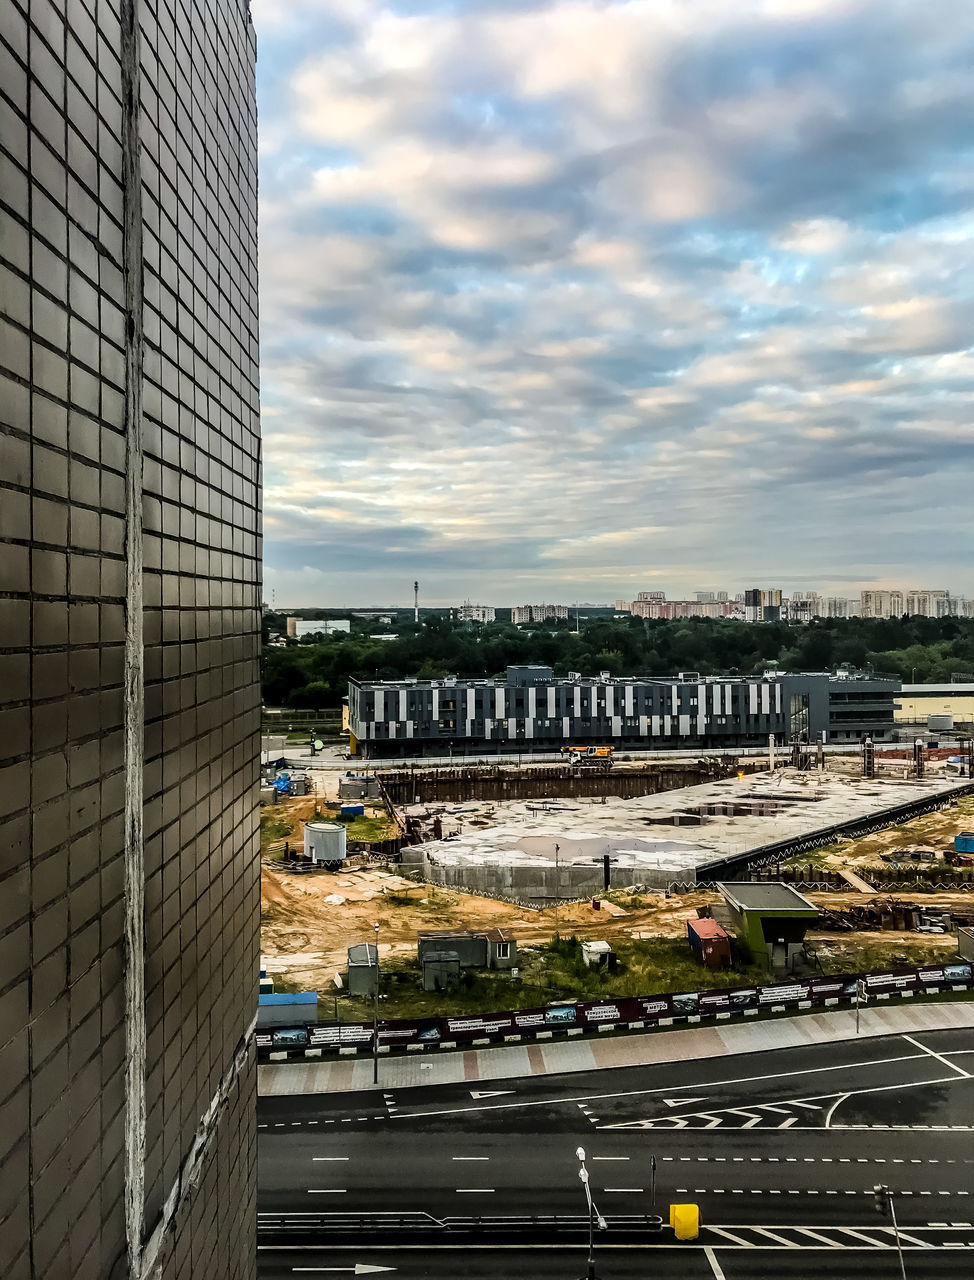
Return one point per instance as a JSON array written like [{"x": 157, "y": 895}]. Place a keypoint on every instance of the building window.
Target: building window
[{"x": 503, "y": 951}]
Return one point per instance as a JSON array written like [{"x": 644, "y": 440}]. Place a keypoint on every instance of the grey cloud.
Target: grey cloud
[{"x": 622, "y": 320}]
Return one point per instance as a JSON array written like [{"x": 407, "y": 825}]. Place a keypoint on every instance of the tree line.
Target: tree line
[{"x": 315, "y": 675}]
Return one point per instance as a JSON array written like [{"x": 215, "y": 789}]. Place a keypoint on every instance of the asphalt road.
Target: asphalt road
[{"x": 780, "y": 1150}]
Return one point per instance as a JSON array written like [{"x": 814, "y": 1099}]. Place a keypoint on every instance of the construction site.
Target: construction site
[{"x": 869, "y": 842}]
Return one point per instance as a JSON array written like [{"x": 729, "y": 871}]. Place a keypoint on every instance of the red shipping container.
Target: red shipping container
[{"x": 710, "y": 943}]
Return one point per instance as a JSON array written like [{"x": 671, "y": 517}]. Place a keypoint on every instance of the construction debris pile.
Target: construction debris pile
[{"x": 891, "y": 914}]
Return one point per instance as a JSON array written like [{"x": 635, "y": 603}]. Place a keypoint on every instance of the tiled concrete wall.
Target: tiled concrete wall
[{"x": 127, "y": 281}]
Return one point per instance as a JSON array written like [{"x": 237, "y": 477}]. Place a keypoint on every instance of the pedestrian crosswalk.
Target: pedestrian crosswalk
[{"x": 939, "y": 1236}]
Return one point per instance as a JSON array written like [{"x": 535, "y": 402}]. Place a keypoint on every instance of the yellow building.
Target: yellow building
[{"x": 917, "y": 701}]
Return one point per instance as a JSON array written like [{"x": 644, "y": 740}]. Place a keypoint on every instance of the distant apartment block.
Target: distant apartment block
[
  {"x": 771, "y": 604},
  {"x": 924, "y": 602},
  {"x": 532, "y": 709},
  {"x": 683, "y": 609},
  {"x": 297, "y": 628},
  {"x": 468, "y": 612},
  {"x": 762, "y": 604},
  {"x": 525, "y": 613},
  {"x": 654, "y": 604},
  {"x": 803, "y": 606}
]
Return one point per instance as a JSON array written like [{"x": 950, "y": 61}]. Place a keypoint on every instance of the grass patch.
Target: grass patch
[
  {"x": 552, "y": 971},
  {"x": 372, "y": 828},
  {"x": 274, "y": 825}
]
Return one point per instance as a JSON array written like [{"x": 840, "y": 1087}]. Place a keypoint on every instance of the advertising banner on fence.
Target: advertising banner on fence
[{"x": 615, "y": 1013}]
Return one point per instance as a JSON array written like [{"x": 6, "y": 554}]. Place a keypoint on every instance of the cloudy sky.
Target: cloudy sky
[{"x": 573, "y": 299}]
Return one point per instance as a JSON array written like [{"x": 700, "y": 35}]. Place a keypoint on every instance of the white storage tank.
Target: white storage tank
[
  {"x": 942, "y": 723},
  {"x": 324, "y": 841}
]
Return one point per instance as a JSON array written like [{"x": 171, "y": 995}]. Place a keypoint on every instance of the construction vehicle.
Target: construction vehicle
[{"x": 589, "y": 757}]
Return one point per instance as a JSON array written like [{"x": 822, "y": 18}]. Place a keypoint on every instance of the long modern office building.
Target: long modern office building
[
  {"x": 129, "y": 607},
  {"x": 533, "y": 710}
]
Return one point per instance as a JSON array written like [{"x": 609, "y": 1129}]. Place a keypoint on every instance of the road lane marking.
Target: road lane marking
[
  {"x": 669, "y": 1123},
  {"x": 475, "y": 1191},
  {"x": 708, "y": 1253},
  {"x": 663, "y": 1089},
  {"x": 815, "y": 1235},
  {"x": 360, "y": 1269},
  {"x": 326, "y": 1191},
  {"x": 782, "y": 1240},
  {"x": 613, "y": 1157},
  {"x": 605, "y": 1246},
  {"x": 622, "y": 1191},
  {"x": 861, "y": 1235},
  {"x": 940, "y": 1058},
  {"x": 316, "y": 1159},
  {"x": 741, "y": 1241},
  {"x": 470, "y": 1157},
  {"x": 903, "y": 1235}
]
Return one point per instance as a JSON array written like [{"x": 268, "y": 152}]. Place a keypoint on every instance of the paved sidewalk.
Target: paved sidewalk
[{"x": 507, "y": 1061}]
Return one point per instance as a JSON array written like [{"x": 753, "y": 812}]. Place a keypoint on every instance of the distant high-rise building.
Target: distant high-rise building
[
  {"x": 528, "y": 613},
  {"x": 468, "y": 612},
  {"x": 753, "y": 605},
  {"x": 129, "y": 634},
  {"x": 881, "y": 604},
  {"x": 921, "y": 602},
  {"x": 927, "y": 603},
  {"x": 762, "y": 604}
]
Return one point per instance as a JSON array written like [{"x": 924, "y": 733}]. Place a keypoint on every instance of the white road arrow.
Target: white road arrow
[
  {"x": 491, "y": 1093},
  {"x": 360, "y": 1269},
  {"x": 680, "y": 1102}
]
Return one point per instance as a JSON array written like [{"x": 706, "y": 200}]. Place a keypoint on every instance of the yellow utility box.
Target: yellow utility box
[{"x": 685, "y": 1221}]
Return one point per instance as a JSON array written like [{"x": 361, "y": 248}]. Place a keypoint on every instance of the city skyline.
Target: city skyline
[
  {"x": 551, "y": 292},
  {"x": 471, "y": 602}
]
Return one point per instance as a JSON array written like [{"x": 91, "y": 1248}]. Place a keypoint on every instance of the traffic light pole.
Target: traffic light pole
[
  {"x": 375, "y": 1012},
  {"x": 896, "y": 1233},
  {"x": 883, "y": 1198}
]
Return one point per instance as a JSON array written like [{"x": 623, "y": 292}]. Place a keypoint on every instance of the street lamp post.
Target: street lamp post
[
  {"x": 860, "y": 996},
  {"x": 375, "y": 1012},
  {"x": 557, "y": 884},
  {"x": 593, "y": 1214}
]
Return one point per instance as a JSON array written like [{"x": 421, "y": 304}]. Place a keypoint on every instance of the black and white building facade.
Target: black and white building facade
[{"x": 533, "y": 710}]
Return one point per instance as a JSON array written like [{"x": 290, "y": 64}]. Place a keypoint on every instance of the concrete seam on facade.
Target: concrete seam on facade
[
  {"x": 134, "y": 689},
  {"x": 31, "y": 1173},
  {"x": 189, "y": 1173}
]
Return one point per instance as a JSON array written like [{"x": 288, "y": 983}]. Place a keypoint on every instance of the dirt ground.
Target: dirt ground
[
  {"x": 933, "y": 832},
  {"x": 310, "y": 920}
]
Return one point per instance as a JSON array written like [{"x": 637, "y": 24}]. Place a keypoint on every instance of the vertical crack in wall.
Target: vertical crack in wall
[
  {"x": 134, "y": 691},
  {"x": 191, "y": 1170}
]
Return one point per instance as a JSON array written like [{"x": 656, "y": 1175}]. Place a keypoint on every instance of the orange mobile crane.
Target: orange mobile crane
[{"x": 589, "y": 757}]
